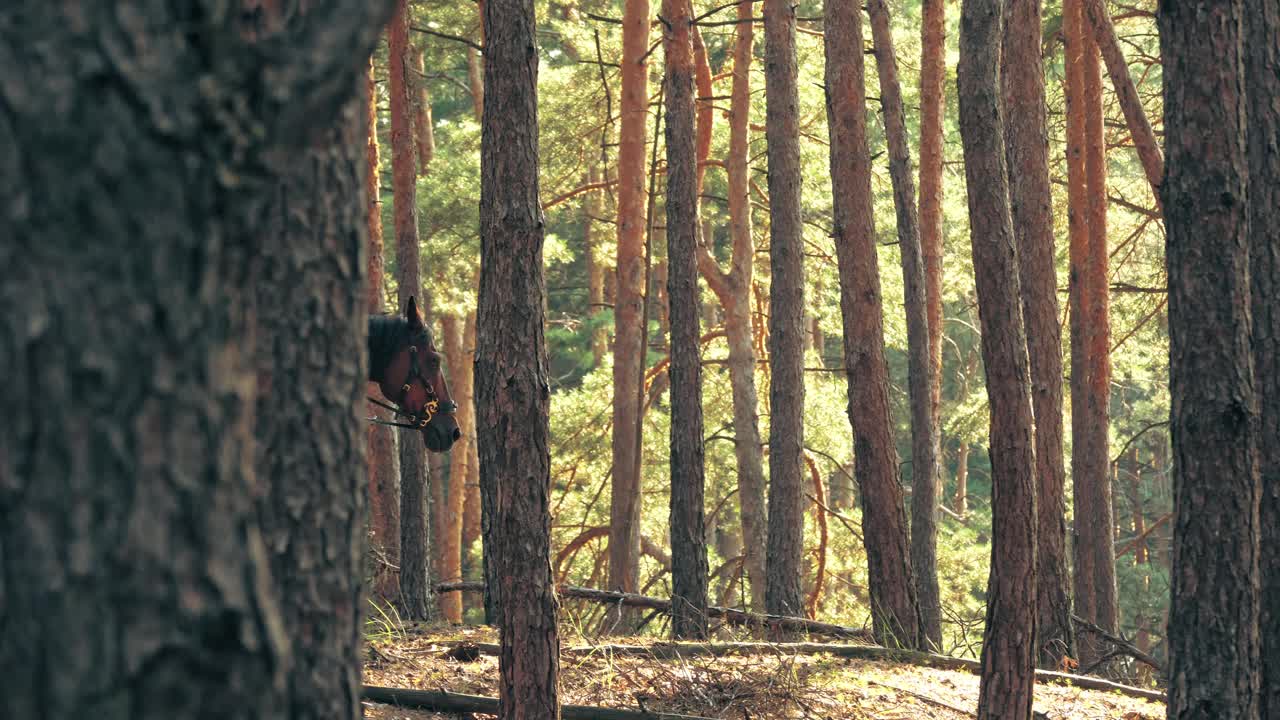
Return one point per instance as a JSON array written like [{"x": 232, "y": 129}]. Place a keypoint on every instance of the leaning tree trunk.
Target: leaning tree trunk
[
  {"x": 1008, "y": 648},
  {"x": 688, "y": 534},
  {"x": 1262, "y": 83},
  {"x": 512, "y": 387},
  {"x": 313, "y": 515},
  {"x": 415, "y": 587},
  {"x": 629, "y": 323},
  {"x": 384, "y": 458},
  {"x": 894, "y": 611},
  {"x": 920, "y": 369},
  {"x": 137, "y": 584},
  {"x": 1027, "y": 149},
  {"x": 785, "y": 544},
  {"x": 1213, "y": 619}
]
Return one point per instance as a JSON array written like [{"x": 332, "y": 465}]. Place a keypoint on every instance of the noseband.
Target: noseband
[{"x": 433, "y": 406}]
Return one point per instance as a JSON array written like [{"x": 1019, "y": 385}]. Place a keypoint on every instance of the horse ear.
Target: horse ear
[{"x": 412, "y": 315}]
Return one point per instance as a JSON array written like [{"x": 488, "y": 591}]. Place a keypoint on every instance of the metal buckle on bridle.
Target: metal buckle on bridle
[{"x": 430, "y": 409}]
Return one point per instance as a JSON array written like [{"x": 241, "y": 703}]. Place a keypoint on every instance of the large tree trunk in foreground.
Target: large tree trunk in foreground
[
  {"x": 1008, "y": 648},
  {"x": 512, "y": 387},
  {"x": 920, "y": 369},
  {"x": 894, "y": 612},
  {"x": 313, "y": 516},
  {"x": 384, "y": 457},
  {"x": 785, "y": 544},
  {"x": 415, "y": 589},
  {"x": 1213, "y": 618},
  {"x": 136, "y": 583},
  {"x": 1262, "y": 83},
  {"x": 1027, "y": 150},
  {"x": 688, "y": 533},
  {"x": 629, "y": 323}
]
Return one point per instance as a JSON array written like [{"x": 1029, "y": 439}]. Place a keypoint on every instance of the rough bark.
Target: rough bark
[
  {"x": 1091, "y": 466},
  {"x": 1213, "y": 619},
  {"x": 688, "y": 533},
  {"x": 415, "y": 589},
  {"x": 307, "y": 444},
  {"x": 785, "y": 544},
  {"x": 1262, "y": 67},
  {"x": 894, "y": 611},
  {"x": 450, "y": 567},
  {"x": 628, "y": 341},
  {"x": 1027, "y": 150},
  {"x": 933, "y": 96},
  {"x": 512, "y": 387},
  {"x": 130, "y": 532},
  {"x": 1144, "y": 140},
  {"x": 920, "y": 369},
  {"x": 424, "y": 132},
  {"x": 384, "y": 458},
  {"x": 1008, "y": 647}
]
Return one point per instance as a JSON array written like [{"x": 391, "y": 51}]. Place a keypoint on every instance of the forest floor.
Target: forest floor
[{"x": 771, "y": 685}]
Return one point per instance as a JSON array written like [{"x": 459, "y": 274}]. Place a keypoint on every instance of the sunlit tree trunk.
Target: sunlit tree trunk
[
  {"x": 1027, "y": 149},
  {"x": 1262, "y": 83},
  {"x": 894, "y": 611},
  {"x": 464, "y": 395},
  {"x": 1214, "y": 662},
  {"x": 424, "y": 132},
  {"x": 595, "y": 268},
  {"x": 933, "y": 96},
  {"x": 920, "y": 370},
  {"x": 454, "y": 491},
  {"x": 785, "y": 544},
  {"x": 628, "y": 342},
  {"x": 415, "y": 588},
  {"x": 1008, "y": 648},
  {"x": 688, "y": 533},
  {"x": 512, "y": 387}
]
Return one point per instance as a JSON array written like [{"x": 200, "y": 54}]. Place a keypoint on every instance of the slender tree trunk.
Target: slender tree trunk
[
  {"x": 512, "y": 387},
  {"x": 894, "y": 611},
  {"x": 131, "y": 538},
  {"x": 415, "y": 587},
  {"x": 933, "y": 71},
  {"x": 960, "y": 502},
  {"x": 628, "y": 343},
  {"x": 595, "y": 269},
  {"x": 688, "y": 533},
  {"x": 1262, "y": 83},
  {"x": 313, "y": 514},
  {"x": 450, "y": 569},
  {"x": 475, "y": 80},
  {"x": 1008, "y": 647},
  {"x": 1144, "y": 140},
  {"x": 1214, "y": 640},
  {"x": 384, "y": 458},
  {"x": 1027, "y": 149},
  {"x": 785, "y": 544},
  {"x": 464, "y": 395},
  {"x": 1098, "y": 532},
  {"x": 424, "y": 132},
  {"x": 920, "y": 369}
]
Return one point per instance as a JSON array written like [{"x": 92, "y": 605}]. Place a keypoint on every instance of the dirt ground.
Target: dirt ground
[{"x": 738, "y": 687}]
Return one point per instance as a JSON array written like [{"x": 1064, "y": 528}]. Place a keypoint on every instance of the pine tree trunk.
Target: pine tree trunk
[
  {"x": 1030, "y": 199},
  {"x": 1262, "y": 65},
  {"x": 512, "y": 387},
  {"x": 688, "y": 532},
  {"x": 894, "y": 610},
  {"x": 629, "y": 325},
  {"x": 920, "y": 381},
  {"x": 933, "y": 96},
  {"x": 785, "y": 544},
  {"x": 415, "y": 586},
  {"x": 313, "y": 514},
  {"x": 464, "y": 395},
  {"x": 960, "y": 501},
  {"x": 1008, "y": 647},
  {"x": 384, "y": 458},
  {"x": 424, "y": 132},
  {"x": 595, "y": 269},
  {"x": 450, "y": 569},
  {"x": 131, "y": 539},
  {"x": 1213, "y": 619}
]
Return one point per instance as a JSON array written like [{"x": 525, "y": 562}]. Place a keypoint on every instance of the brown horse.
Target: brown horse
[{"x": 403, "y": 360}]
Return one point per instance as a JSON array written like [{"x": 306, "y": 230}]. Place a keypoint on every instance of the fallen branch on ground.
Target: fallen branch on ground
[
  {"x": 733, "y": 617},
  {"x": 665, "y": 650},
  {"x": 441, "y": 701}
]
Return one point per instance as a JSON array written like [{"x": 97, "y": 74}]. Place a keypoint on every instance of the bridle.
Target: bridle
[{"x": 432, "y": 407}]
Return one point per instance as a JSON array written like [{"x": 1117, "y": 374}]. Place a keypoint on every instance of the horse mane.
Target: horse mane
[{"x": 387, "y": 335}]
